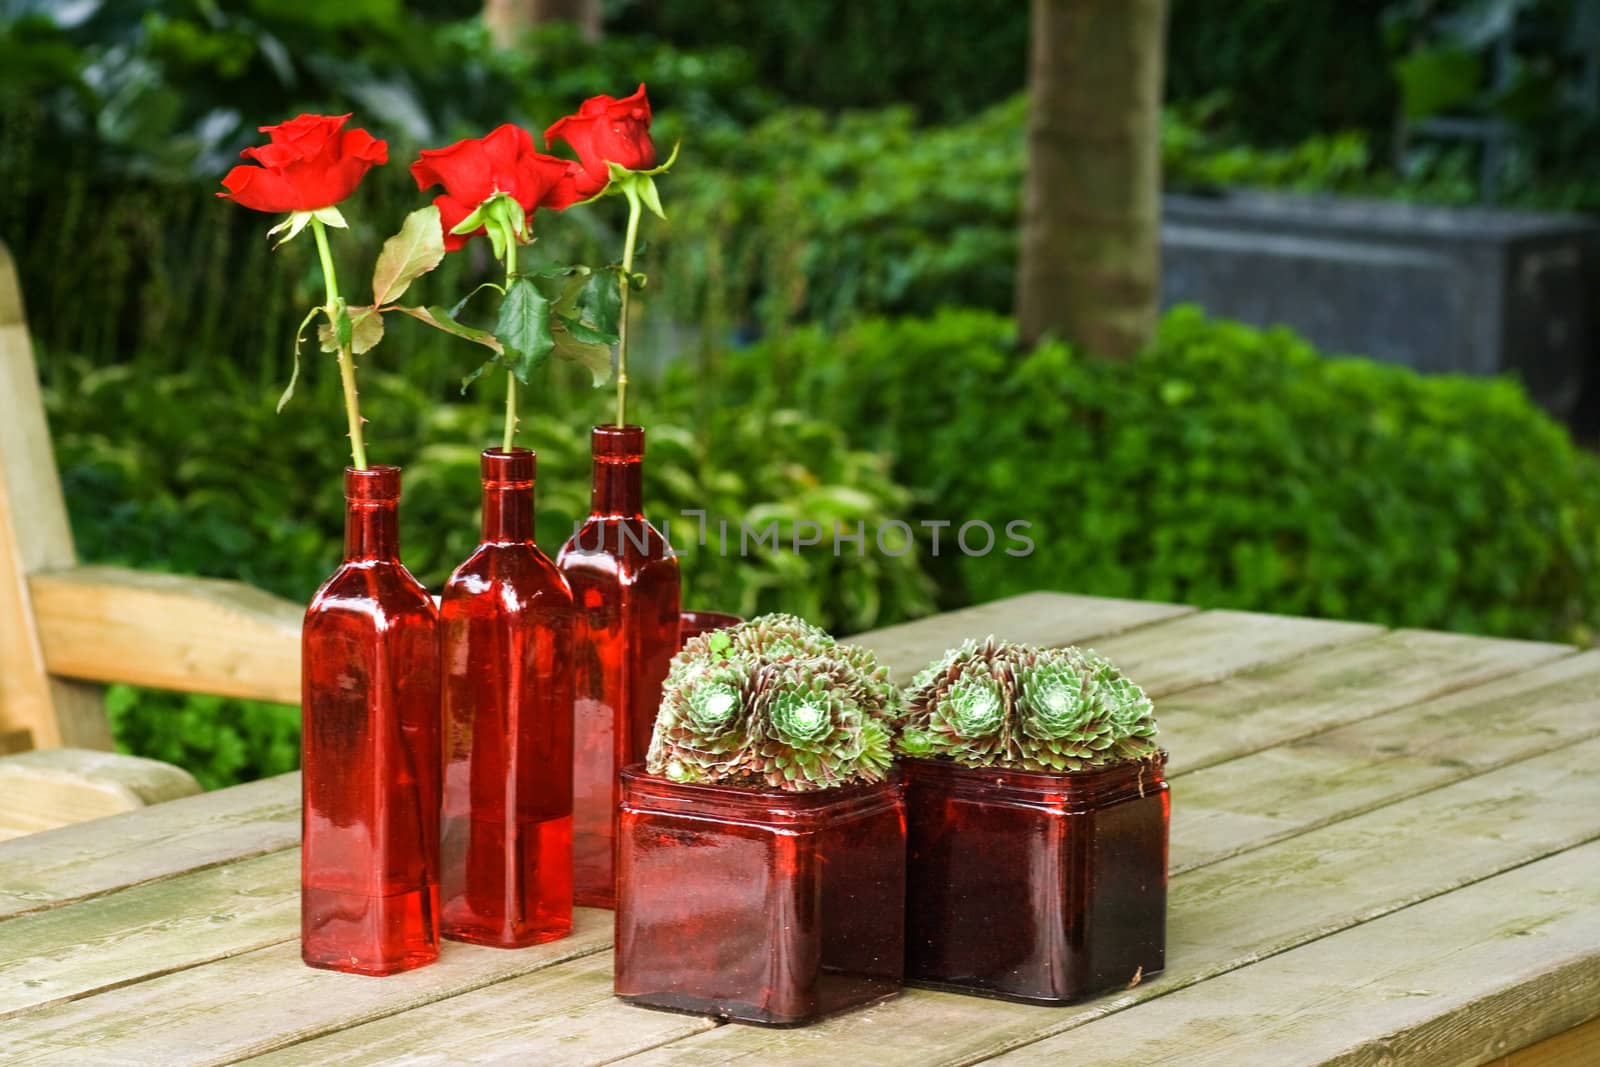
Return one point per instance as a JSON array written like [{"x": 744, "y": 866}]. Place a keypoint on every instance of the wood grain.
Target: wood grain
[
  {"x": 1458, "y": 979},
  {"x": 1232, "y": 807},
  {"x": 168, "y": 631},
  {"x": 1228, "y": 915},
  {"x": 75, "y": 862},
  {"x": 36, "y": 710},
  {"x": 264, "y": 1000},
  {"x": 1285, "y": 701},
  {"x": 577, "y": 1021},
  {"x": 1213, "y": 645},
  {"x": 56, "y": 787},
  {"x": 1035, "y": 618},
  {"x": 152, "y": 929}
]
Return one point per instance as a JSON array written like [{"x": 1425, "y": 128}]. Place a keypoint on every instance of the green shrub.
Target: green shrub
[
  {"x": 1228, "y": 467},
  {"x": 196, "y": 474}
]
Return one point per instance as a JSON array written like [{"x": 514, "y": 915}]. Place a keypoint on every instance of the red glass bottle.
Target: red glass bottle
[
  {"x": 1045, "y": 888},
  {"x": 759, "y": 905},
  {"x": 625, "y": 597},
  {"x": 506, "y": 618},
  {"x": 370, "y": 750}
]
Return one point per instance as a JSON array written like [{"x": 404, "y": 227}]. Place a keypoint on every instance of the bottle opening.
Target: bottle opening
[
  {"x": 508, "y": 470},
  {"x": 375, "y": 485},
  {"x": 618, "y": 444}
]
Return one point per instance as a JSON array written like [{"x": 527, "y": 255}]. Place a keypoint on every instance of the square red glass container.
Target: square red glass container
[
  {"x": 1044, "y": 888},
  {"x": 759, "y": 905}
]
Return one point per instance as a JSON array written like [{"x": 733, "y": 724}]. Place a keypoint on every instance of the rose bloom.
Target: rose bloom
[
  {"x": 312, "y": 162},
  {"x": 606, "y": 130},
  {"x": 471, "y": 171}
]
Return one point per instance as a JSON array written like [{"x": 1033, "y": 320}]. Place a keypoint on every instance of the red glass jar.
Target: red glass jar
[
  {"x": 696, "y": 623},
  {"x": 1045, "y": 888},
  {"x": 759, "y": 905},
  {"x": 370, "y": 750},
  {"x": 506, "y": 619},
  {"x": 625, "y": 596}
]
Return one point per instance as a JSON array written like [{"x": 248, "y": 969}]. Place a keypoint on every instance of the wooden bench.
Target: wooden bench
[{"x": 64, "y": 627}]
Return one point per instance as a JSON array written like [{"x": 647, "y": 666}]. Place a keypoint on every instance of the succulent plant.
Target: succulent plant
[
  {"x": 999, "y": 704},
  {"x": 775, "y": 702}
]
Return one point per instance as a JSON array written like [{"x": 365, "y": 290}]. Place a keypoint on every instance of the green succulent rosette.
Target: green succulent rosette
[
  {"x": 703, "y": 726},
  {"x": 1001, "y": 704},
  {"x": 775, "y": 703}
]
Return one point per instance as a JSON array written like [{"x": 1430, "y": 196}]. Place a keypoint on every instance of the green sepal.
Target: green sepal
[
  {"x": 296, "y": 221},
  {"x": 648, "y": 194}
]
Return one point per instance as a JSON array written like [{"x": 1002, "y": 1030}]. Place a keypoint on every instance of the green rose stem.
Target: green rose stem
[
  {"x": 347, "y": 370},
  {"x": 511, "y": 379},
  {"x": 622, "y": 324}
]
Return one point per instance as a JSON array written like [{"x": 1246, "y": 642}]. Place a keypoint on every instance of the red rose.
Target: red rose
[
  {"x": 473, "y": 170},
  {"x": 309, "y": 164},
  {"x": 606, "y": 130}
]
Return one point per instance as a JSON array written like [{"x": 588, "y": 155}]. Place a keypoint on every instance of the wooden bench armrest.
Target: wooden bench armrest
[{"x": 54, "y": 787}]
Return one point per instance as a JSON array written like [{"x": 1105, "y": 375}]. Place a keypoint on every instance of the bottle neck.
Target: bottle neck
[
  {"x": 508, "y": 495},
  {"x": 618, "y": 488},
  {"x": 618, "y": 472},
  {"x": 371, "y": 526},
  {"x": 507, "y": 514},
  {"x": 371, "y": 530}
]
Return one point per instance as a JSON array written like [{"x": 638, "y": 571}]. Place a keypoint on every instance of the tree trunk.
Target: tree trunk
[
  {"x": 508, "y": 20},
  {"x": 1089, "y": 270}
]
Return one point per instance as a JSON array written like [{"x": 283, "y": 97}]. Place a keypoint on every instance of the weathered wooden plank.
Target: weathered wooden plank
[
  {"x": 52, "y": 868},
  {"x": 1245, "y": 803},
  {"x": 1229, "y": 915},
  {"x": 1286, "y": 701},
  {"x": 1457, "y": 979},
  {"x": 169, "y": 631},
  {"x": 55, "y": 787},
  {"x": 1036, "y": 618},
  {"x": 1577, "y": 1047},
  {"x": 36, "y": 710},
  {"x": 68, "y": 952},
  {"x": 1213, "y": 645},
  {"x": 265, "y": 1000},
  {"x": 556, "y": 1017}
]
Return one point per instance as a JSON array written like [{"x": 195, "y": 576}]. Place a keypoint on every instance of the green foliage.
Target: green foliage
[
  {"x": 1287, "y": 69},
  {"x": 945, "y": 58},
  {"x": 1228, "y": 467},
  {"x": 196, "y": 474}
]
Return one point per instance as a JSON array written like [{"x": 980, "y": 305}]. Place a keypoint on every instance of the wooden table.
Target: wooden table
[{"x": 1385, "y": 848}]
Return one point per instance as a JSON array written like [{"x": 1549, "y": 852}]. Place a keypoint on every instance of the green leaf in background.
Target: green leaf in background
[
  {"x": 524, "y": 328},
  {"x": 1435, "y": 80},
  {"x": 408, "y": 255},
  {"x": 573, "y": 349}
]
